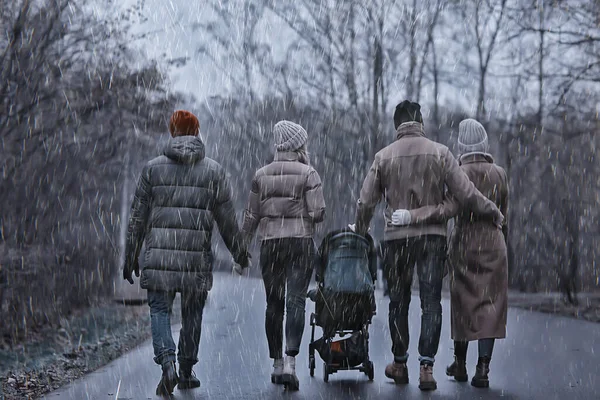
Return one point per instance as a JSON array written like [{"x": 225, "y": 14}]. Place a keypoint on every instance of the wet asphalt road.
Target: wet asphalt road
[{"x": 544, "y": 357}]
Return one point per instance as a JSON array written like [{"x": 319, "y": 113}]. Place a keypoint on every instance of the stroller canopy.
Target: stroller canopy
[{"x": 348, "y": 262}]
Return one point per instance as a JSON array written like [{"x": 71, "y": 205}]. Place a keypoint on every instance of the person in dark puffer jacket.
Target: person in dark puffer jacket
[
  {"x": 179, "y": 197},
  {"x": 285, "y": 204}
]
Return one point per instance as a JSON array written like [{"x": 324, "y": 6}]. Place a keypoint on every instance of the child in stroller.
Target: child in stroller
[{"x": 344, "y": 303}]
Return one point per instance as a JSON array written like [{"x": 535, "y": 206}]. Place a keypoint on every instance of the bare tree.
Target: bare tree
[
  {"x": 70, "y": 105},
  {"x": 335, "y": 66},
  {"x": 231, "y": 42},
  {"x": 483, "y": 21}
]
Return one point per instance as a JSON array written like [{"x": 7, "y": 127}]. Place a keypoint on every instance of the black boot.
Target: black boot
[
  {"x": 168, "y": 381},
  {"x": 458, "y": 370},
  {"x": 481, "y": 380},
  {"x": 187, "y": 378}
]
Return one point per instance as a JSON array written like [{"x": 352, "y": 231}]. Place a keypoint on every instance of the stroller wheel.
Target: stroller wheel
[
  {"x": 311, "y": 365},
  {"x": 325, "y": 372},
  {"x": 369, "y": 369}
]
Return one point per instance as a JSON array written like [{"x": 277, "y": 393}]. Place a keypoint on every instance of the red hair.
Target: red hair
[{"x": 183, "y": 123}]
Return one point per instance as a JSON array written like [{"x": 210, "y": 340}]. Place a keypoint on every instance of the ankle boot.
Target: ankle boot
[
  {"x": 187, "y": 378},
  {"x": 426, "y": 379},
  {"x": 458, "y": 370},
  {"x": 277, "y": 374},
  {"x": 168, "y": 381},
  {"x": 398, "y": 372},
  {"x": 481, "y": 380},
  {"x": 289, "y": 378}
]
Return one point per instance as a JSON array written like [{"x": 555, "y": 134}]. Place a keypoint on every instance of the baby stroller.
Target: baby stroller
[{"x": 344, "y": 303}]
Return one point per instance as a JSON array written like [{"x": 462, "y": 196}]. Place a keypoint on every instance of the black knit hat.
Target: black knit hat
[{"x": 407, "y": 111}]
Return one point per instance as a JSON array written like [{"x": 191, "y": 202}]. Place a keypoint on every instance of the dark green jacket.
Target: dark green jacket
[{"x": 179, "y": 196}]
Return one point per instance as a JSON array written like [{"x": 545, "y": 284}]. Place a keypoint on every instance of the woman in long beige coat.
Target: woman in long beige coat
[{"x": 477, "y": 257}]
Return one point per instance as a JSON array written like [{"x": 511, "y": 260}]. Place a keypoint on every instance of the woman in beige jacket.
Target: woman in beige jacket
[{"x": 286, "y": 202}]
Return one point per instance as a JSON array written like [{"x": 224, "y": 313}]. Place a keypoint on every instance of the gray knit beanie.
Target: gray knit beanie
[
  {"x": 289, "y": 136},
  {"x": 472, "y": 137}
]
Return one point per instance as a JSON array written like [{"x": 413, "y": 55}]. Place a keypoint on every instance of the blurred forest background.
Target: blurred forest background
[{"x": 84, "y": 106}]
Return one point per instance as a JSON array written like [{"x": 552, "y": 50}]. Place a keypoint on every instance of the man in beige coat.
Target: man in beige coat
[{"x": 411, "y": 173}]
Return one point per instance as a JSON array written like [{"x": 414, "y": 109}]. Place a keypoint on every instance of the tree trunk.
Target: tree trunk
[
  {"x": 124, "y": 213},
  {"x": 569, "y": 271},
  {"x": 381, "y": 80},
  {"x": 332, "y": 92},
  {"x": 481, "y": 97},
  {"x": 436, "y": 87},
  {"x": 410, "y": 86},
  {"x": 510, "y": 251},
  {"x": 540, "y": 115},
  {"x": 377, "y": 80},
  {"x": 246, "y": 49},
  {"x": 350, "y": 73}
]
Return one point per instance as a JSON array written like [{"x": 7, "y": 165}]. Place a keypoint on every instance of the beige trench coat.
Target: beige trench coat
[{"x": 477, "y": 255}]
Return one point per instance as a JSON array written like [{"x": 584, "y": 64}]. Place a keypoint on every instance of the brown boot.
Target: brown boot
[
  {"x": 398, "y": 372},
  {"x": 168, "y": 381},
  {"x": 458, "y": 370},
  {"x": 481, "y": 380},
  {"x": 187, "y": 378},
  {"x": 426, "y": 380}
]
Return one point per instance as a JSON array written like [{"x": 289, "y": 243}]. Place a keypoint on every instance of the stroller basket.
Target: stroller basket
[{"x": 343, "y": 353}]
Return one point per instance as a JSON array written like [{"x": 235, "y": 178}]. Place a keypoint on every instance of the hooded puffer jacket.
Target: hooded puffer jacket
[{"x": 179, "y": 196}]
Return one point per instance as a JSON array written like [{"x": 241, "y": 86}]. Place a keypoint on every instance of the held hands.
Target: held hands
[
  {"x": 237, "y": 268},
  {"x": 128, "y": 271},
  {"x": 242, "y": 270},
  {"x": 401, "y": 217}
]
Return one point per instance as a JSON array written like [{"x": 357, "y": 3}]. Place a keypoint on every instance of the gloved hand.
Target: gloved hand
[
  {"x": 401, "y": 217},
  {"x": 129, "y": 269}
]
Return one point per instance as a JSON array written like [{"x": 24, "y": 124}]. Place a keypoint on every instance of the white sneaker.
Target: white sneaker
[
  {"x": 277, "y": 375},
  {"x": 290, "y": 380}
]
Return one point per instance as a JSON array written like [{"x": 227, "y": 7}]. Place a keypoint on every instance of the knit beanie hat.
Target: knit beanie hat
[
  {"x": 407, "y": 111},
  {"x": 289, "y": 136},
  {"x": 184, "y": 123},
  {"x": 472, "y": 137}
]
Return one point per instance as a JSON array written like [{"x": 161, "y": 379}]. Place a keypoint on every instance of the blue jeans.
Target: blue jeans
[
  {"x": 286, "y": 262},
  {"x": 428, "y": 253},
  {"x": 161, "y": 308}
]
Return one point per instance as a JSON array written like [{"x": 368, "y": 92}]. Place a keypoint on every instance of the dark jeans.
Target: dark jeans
[
  {"x": 486, "y": 348},
  {"x": 400, "y": 257},
  {"x": 161, "y": 307},
  {"x": 284, "y": 262}
]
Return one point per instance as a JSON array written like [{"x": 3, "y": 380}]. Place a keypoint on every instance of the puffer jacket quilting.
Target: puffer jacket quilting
[
  {"x": 179, "y": 197},
  {"x": 286, "y": 200}
]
